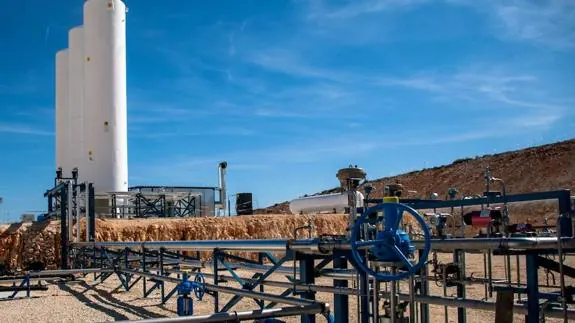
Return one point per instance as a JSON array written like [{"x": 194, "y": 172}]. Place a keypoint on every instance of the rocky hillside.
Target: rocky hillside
[{"x": 540, "y": 168}]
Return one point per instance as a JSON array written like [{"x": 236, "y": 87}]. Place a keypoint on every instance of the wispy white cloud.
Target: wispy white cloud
[
  {"x": 356, "y": 8},
  {"x": 546, "y": 23},
  {"x": 221, "y": 131},
  {"x": 21, "y": 129}
]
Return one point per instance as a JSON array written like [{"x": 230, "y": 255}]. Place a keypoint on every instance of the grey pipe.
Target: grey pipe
[
  {"x": 230, "y": 290},
  {"x": 479, "y": 305},
  {"x": 241, "y": 316},
  {"x": 197, "y": 245},
  {"x": 324, "y": 246}
]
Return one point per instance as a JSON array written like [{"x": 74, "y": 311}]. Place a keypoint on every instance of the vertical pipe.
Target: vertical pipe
[
  {"x": 91, "y": 213},
  {"x": 216, "y": 258},
  {"x": 222, "y": 179},
  {"x": 87, "y": 210},
  {"x": 77, "y": 193},
  {"x": 71, "y": 210},
  {"x": 518, "y": 264},
  {"x": 63, "y": 229},
  {"x": 460, "y": 260},
  {"x": 532, "y": 289},
  {"x": 375, "y": 298},
  {"x": 561, "y": 273},
  {"x": 307, "y": 277},
  {"x": 340, "y": 301},
  {"x": 485, "y": 285},
  {"x": 393, "y": 299},
  {"x": 364, "y": 297},
  {"x": 412, "y": 314},
  {"x": 424, "y": 308}
]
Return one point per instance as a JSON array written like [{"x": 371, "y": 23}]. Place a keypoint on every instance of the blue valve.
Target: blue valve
[
  {"x": 388, "y": 244},
  {"x": 185, "y": 288}
]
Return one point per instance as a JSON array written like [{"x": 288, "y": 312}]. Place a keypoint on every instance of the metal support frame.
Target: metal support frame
[{"x": 157, "y": 262}]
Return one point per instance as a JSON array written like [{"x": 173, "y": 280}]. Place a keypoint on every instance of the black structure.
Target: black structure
[
  {"x": 244, "y": 204},
  {"x": 161, "y": 201},
  {"x": 61, "y": 209}
]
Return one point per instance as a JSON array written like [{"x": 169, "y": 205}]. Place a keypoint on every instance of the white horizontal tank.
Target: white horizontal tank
[
  {"x": 76, "y": 97},
  {"x": 328, "y": 203},
  {"x": 62, "y": 112},
  {"x": 105, "y": 97}
]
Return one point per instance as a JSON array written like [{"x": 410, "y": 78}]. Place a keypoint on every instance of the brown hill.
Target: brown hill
[{"x": 541, "y": 168}]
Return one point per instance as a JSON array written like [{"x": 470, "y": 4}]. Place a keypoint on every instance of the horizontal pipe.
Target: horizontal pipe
[
  {"x": 526, "y": 243},
  {"x": 230, "y": 290},
  {"x": 197, "y": 245},
  {"x": 325, "y": 246},
  {"x": 240, "y": 316},
  {"x": 477, "y": 304}
]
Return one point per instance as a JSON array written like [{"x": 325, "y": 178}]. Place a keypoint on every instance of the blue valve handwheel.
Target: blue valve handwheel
[
  {"x": 389, "y": 241},
  {"x": 200, "y": 287}
]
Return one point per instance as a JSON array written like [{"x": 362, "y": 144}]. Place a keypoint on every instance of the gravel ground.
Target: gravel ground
[{"x": 86, "y": 300}]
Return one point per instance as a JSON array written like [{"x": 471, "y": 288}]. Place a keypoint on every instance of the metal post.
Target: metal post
[
  {"x": 216, "y": 258},
  {"x": 532, "y": 289},
  {"x": 340, "y": 301},
  {"x": 63, "y": 229},
  {"x": 458, "y": 259},
  {"x": 306, "y": 274},
  {"x": 77, "y": 199},
  {"x": 364, "y": 297},
  {"x": 91, "y": 213},
  {"x": 424, "y": 291},
  {"x": 70, "y": 204},
  {"x": 87, "y": 211}
]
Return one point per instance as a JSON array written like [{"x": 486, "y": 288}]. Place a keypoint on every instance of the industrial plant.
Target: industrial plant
[{"x": 368, "y": 251}]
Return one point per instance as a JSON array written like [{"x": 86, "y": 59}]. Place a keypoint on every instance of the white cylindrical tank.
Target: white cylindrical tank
[
  {"x": 328, "y": 203},
  {"x": 62, "y": 112},
  {"x": 105, "y": 97},
  {"x": 76, "y": 97}
]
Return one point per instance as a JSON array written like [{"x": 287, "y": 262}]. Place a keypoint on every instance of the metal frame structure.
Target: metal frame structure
[{"x": 303, "y": 261}]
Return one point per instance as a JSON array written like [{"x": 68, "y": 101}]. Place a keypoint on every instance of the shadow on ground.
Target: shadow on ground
[{"x": 105, "y": 302}]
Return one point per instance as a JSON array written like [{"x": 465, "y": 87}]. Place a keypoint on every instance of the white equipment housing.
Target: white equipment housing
[
  {"x": 105, "y": 97},
  {"x": 328, "y": 203},
  {"x": 62, "y": 112},
  {"x": 75, "y": 97}
]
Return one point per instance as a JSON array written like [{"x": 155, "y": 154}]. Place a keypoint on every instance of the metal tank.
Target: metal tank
[
  {"x": 62, "y": 111},
  {"x": 330, "y": 203},
  {"x": 105, "y": 98},
  {"x": 76, "y": 97}
]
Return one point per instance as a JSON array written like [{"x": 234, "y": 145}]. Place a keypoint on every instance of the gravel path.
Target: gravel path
[{"x": 86, "y": 300}]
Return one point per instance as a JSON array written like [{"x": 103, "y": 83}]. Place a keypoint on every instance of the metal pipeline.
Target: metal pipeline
[
  {"x": 230, "y": 290},
  {"x": 526, "y": 243},
  {"x": 477, "y": 304},
  {"x": 242, "y": 316},
  {"x": 198, "y": 245},
  {"x": 432, "y": 300},
  {"x": 328, "y": 245}
]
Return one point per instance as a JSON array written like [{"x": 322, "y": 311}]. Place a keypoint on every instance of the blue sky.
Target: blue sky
[{"x": 290, "y": 91}]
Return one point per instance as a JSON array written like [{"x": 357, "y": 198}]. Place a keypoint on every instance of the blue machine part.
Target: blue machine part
[
  {"x": 185, "y": 306},
  {"x": 391, "y": 244},
  {"x": 185, "y": 288},
  {"x": 401, "y": 238}
]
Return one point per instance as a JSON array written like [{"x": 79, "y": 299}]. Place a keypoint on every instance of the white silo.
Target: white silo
[
  {"x": 62, "y": 112},
  {"x": 76, "y": 97},
  {"x": 105, "y": 97}
]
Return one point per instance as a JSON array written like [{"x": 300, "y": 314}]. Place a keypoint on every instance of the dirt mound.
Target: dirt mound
[
  {"x": 23, "y": 244},
  {"x": 542, "y": 168}
]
